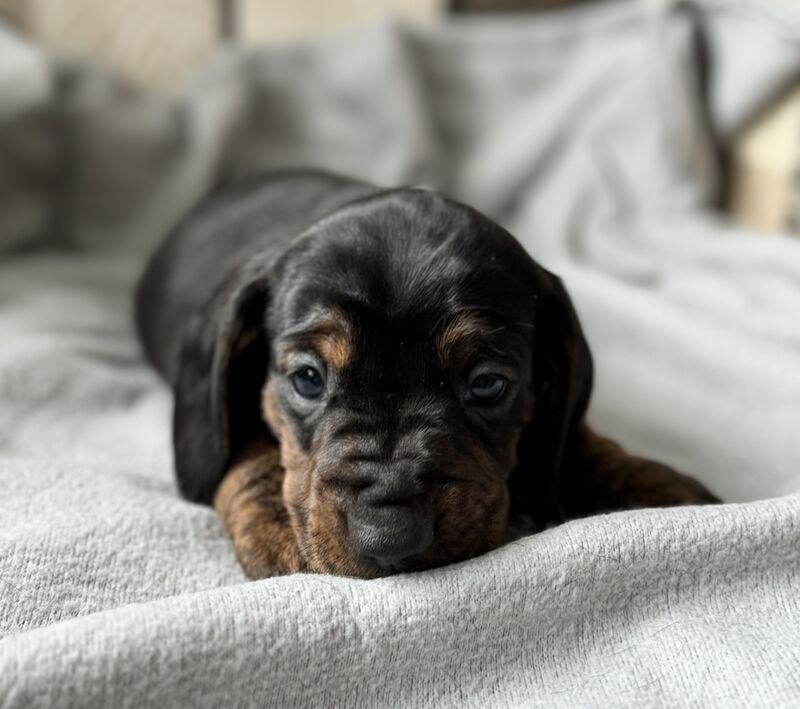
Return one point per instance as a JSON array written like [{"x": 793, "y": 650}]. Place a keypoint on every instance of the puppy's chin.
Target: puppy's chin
[{"x": 469, "y": 523}]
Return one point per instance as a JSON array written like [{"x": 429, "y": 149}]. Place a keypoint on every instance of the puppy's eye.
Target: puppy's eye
[
  {"x": 487, "y": 388},
  {"x": 308, "y": 382}
]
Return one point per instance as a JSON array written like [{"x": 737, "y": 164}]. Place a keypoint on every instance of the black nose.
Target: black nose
[{"x": 395, "y": 542}]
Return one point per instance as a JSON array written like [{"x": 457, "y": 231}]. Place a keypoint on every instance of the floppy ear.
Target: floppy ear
[
  {"x": 562, "y": 380},
  {"x": 222, "y": 366}
]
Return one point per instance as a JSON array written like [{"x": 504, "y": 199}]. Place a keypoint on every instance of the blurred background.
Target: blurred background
[{"x": 156, "y": 44}]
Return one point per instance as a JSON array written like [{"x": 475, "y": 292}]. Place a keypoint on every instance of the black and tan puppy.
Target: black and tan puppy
[{"x": 369, "y": 381}]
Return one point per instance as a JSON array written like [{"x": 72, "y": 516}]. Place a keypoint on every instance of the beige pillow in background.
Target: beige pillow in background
[
  {"x": 150, "y": 42},
  {"x": 158, "y": 42},
  {"x": 275, "y": 21}
]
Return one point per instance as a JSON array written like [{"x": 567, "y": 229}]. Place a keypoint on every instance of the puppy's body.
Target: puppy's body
[{"x": 385, "y": 376}]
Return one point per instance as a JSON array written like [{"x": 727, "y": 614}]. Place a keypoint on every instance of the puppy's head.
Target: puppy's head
[{"x": 421, "y": 374}]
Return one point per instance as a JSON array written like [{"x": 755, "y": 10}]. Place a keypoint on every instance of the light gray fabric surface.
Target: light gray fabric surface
[{"x": 584, "y": 132}]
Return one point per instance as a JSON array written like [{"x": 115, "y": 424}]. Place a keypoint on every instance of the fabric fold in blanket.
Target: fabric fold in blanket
[{"x": 593, "y": 135}]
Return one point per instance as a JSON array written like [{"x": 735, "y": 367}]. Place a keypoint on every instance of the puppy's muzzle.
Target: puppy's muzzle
[{"x": 390, "y": 515}]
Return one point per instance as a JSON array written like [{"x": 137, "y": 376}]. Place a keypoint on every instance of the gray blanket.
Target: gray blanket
[{"x": 588, "y": 135}]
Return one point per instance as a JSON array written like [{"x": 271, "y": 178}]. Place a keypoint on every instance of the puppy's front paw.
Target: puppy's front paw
[
  {"x": 261, "y": 554},
  {"x": 655, "y": 485},
  {"x": 249, "y": 503},
  {"x": 605, "y": 477}
]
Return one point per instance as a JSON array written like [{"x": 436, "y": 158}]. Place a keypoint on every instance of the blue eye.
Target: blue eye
[
  {"x": 308, "y": 382},
  {"x": 487, "y": 388}
]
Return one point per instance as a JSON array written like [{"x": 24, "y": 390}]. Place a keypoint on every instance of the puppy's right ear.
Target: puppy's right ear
[
  {"x": 222, "y": 367},
  {"x": 562, "y": 374}
]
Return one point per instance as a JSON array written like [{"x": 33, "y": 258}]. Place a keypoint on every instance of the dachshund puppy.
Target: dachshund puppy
[{"x": 370, "y": 381}]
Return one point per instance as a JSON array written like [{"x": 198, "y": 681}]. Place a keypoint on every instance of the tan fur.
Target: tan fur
[
  {"x": 250, "y": 505},
  {"x": 335, "y": 348},
  {"x": 473, "y": 513},
  {"x": 317, "y": 526},
  {"x": 331, "y": 335},
  {"x": 455, "y": 343}
]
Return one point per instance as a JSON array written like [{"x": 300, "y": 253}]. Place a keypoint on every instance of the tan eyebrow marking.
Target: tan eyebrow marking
[
  {"x": 455, "y": 344},
  {"x": 335, "y": 348},
  {"x": 331, "y": 337}
]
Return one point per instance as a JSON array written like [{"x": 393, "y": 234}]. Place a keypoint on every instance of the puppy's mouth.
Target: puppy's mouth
[
  {"x": 374, "y": 540},
  {"x": 389, "y": 541},
  {"x": 392, "y": 520}
]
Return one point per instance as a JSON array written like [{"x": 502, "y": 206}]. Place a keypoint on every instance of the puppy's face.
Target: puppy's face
[{"x": 400, "y": 380}]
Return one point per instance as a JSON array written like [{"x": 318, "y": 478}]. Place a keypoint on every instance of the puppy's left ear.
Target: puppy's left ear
[
  {"x": 562, "y": 380},
  {"x": 222, "y": 367}
]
